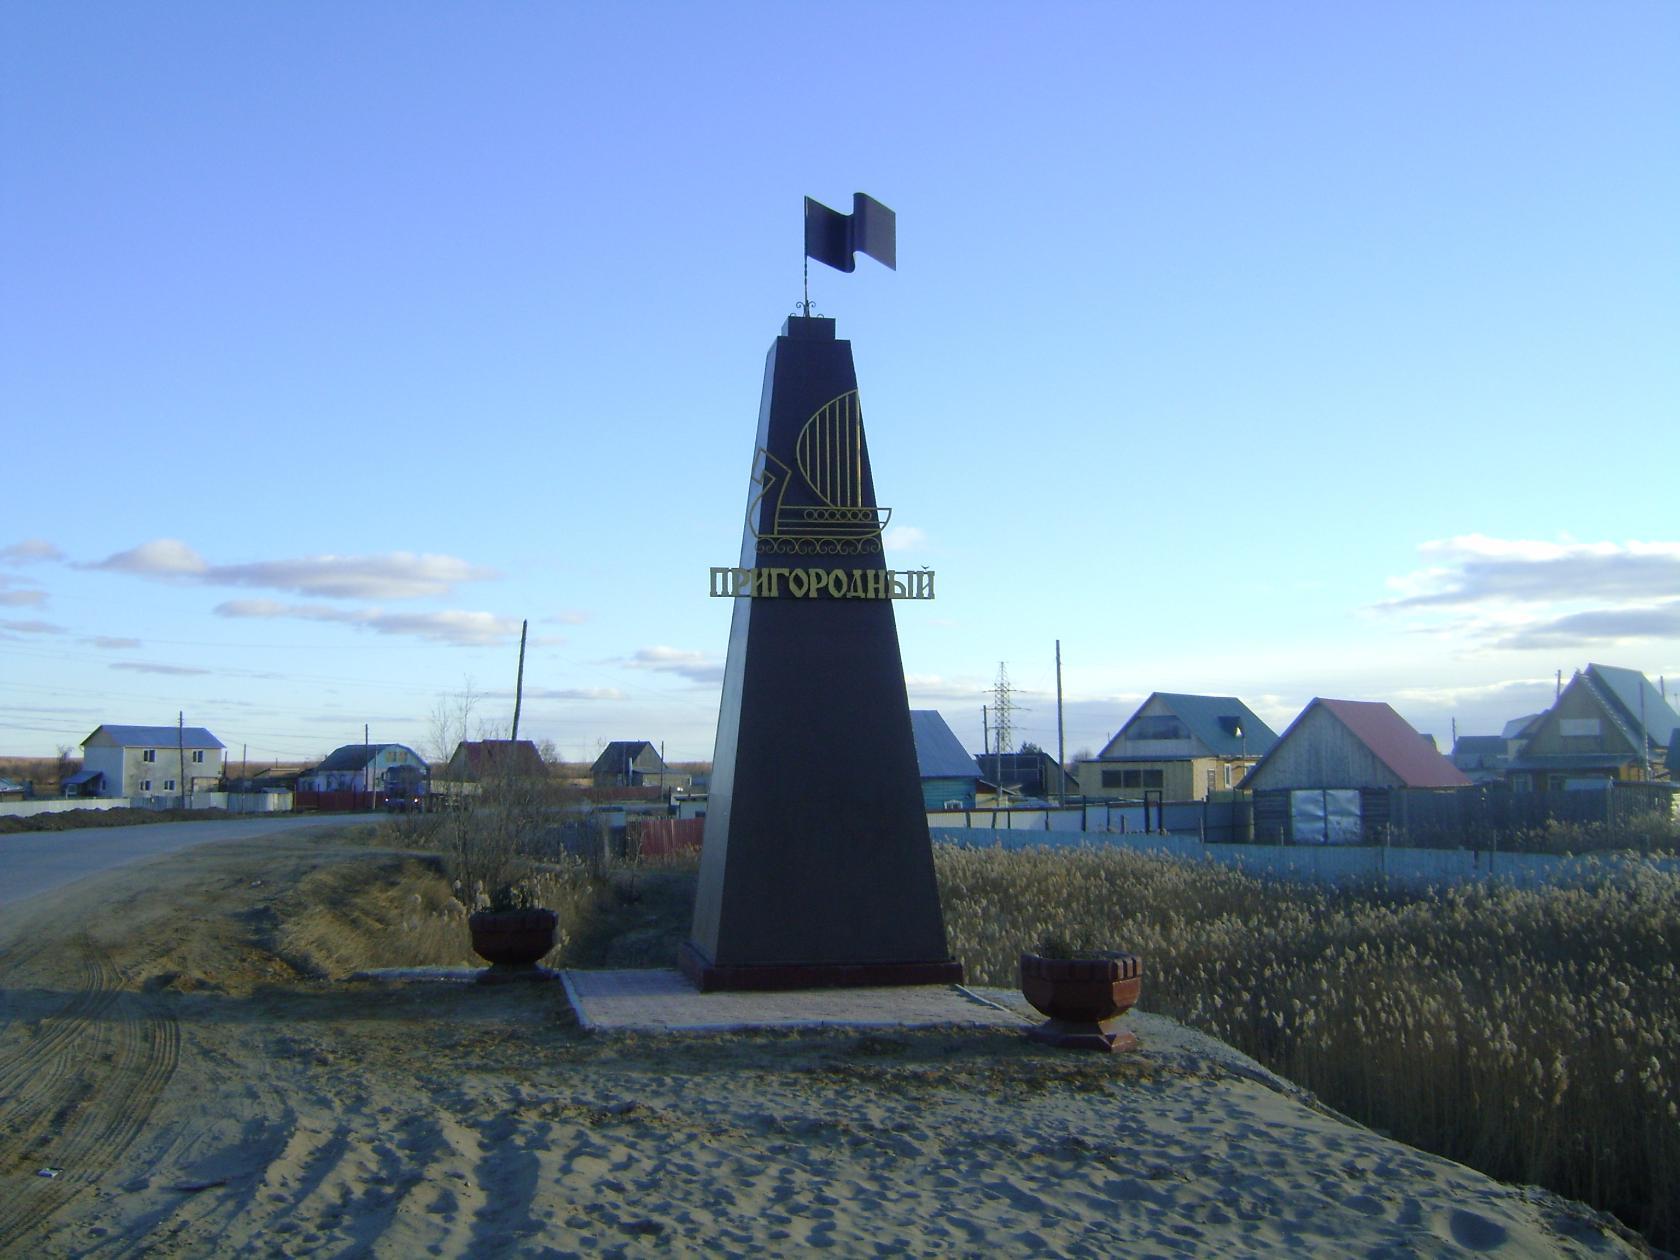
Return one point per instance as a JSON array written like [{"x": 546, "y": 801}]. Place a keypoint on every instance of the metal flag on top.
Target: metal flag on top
[{"x": 833, "y": 238}]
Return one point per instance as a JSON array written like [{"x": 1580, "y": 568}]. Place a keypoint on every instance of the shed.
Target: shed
[
  {"x": 1333, "y": 776},
  {"x": 1030, "y": 772}
]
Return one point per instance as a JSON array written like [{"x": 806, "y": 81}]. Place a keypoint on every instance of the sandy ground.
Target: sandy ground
[{"x": 202, "y": 1094}]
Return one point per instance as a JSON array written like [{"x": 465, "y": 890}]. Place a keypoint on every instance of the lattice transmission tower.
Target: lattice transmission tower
[{"x": 1003, "y": 706}]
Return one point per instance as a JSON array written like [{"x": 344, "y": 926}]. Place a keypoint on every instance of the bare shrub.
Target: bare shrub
[{"x": 1527, "y": 1032}]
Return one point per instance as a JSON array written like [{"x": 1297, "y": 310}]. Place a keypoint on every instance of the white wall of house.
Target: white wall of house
[{"x": 152, "y": 770}]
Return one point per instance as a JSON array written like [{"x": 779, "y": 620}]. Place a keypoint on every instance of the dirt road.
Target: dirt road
[{"x": 33, "y": 862}]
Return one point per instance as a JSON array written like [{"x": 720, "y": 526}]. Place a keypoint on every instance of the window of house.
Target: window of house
[
  {"x": 1227, "y": 774},
  {"x": 149, "y": 755},
  {"x": 1522, "y": 783},
  {"x": 145, "y": 785},
  {"x": 1132, "y": 778},
  {"x": 1555, "y": 782},
  {"x": 1210, "y": 779},
  {"x": 169, "y": 785},
  {"x": 198, "y": 756}
]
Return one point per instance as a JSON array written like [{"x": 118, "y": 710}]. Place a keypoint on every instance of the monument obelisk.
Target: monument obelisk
[{"x": 816, "y": 870}]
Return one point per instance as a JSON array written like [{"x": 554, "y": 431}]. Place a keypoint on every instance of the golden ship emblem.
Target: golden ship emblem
[{"x": 829, "y": 453}]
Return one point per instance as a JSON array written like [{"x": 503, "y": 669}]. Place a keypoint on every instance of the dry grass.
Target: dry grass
[
  {"x": 1528, "y": 1033},
  {"x": 389, "y": 912}
]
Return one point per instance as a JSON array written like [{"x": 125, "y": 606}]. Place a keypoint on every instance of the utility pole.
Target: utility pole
[
  {"x": 181, "y": 748},
  {"x": 1061, "y": 751},
  {"x": 367, "y": 766},
  {"x": 519, "y": 684}
]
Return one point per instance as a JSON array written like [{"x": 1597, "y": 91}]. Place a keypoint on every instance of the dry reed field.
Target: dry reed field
[{"x": 1527, "y": 1033}]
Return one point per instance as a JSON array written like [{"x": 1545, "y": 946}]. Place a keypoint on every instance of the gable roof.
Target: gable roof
[
  {"x": 1227, "y": 726},
  {"x": 939, "y": 753},
  {"x": 1396, "y": 743},
  {"x": 619, "y": 757},
  {"x": 518, "y": 756},
  {"x": 158, "y": 736},
  {"x": 1391, "y": 739},
  {"x": 1639, "y": 702},
  {"x": 1217, "y": 721},
  {"x": 355, "y": 756}
]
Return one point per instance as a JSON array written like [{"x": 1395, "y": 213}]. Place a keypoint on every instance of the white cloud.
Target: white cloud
[
  {"x": 161, "y": 558},
  {"x": 1526, "y": 594},
  {"x": 111, "y": 643},
  {"x": 394, "y": 575},
  {"x": 459, "y": 628},
  {"x": 33, "y": 627},
  {"x": 694, "y": 666},
  {"x": 1478, "y": 569},
  {"x": 148, "y": 667},
  {"x": 1600, "y": 625},
  {"x": 30, "y": 551},
  {"x": 23, "y": 599}
]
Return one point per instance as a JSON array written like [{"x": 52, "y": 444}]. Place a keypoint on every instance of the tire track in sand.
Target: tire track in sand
[{"x": 94, "y": 1071}]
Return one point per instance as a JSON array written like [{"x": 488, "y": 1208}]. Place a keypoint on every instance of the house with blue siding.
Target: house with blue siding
[{"x": 949, "y": 773}]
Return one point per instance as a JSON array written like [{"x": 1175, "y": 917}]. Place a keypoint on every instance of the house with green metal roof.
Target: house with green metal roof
[
  {"x": 1608, "y": 725},
  {"x": 1185, "y": 747}
]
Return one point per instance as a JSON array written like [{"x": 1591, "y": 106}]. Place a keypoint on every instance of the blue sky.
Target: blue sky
[{"x": 1275, "y": 351}]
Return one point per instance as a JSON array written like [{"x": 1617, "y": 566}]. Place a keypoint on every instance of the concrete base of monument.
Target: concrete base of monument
[
  {"x": 662, "y": 1000},
  {"x": 708, "y": 976}
]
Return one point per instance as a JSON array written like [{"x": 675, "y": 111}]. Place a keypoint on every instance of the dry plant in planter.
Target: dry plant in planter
[
  {"x": 1084, "y": 992},
  {"x": 489, "y": 854}
]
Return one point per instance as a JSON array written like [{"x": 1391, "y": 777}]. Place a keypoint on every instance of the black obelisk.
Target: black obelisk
[{"x": 817, "y": 869}]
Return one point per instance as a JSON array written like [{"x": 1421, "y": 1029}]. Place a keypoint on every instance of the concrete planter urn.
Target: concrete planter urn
[
  {"x": 512, "y": 941},
  {"x": 1084, "y": 998}
]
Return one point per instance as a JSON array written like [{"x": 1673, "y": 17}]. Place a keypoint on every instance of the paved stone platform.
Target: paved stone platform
[{"x": 663, "y": 1001}]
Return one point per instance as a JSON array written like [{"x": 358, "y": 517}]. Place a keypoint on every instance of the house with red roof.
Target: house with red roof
[{"x": 1336, "y": 774}]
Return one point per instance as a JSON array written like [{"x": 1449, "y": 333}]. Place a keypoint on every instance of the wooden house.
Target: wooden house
[
  {"x": 1608, "y": 725},
  {"x": 1334, "y": 776},
  {"x": 634, "y": 763},
  {"x": 950, "y": 775},
  {"x": 476, "y": 759}
]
